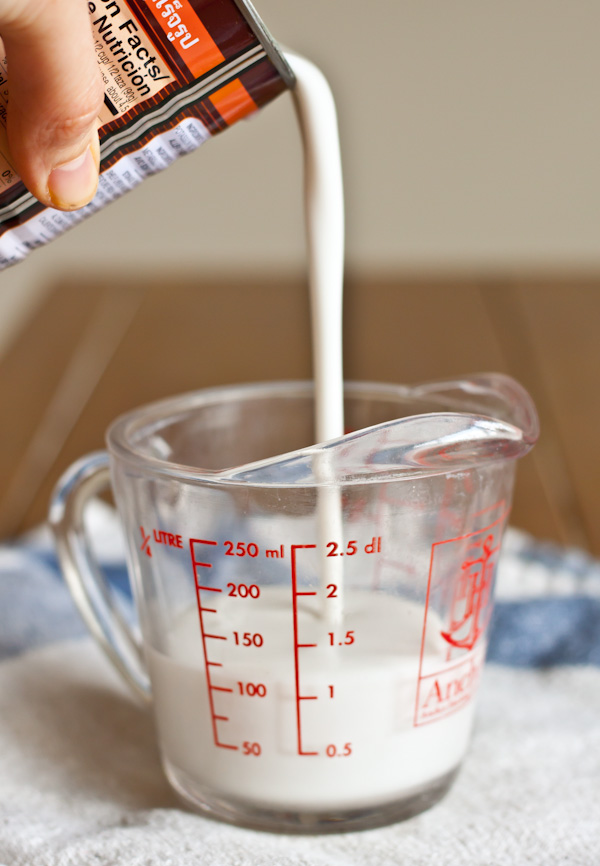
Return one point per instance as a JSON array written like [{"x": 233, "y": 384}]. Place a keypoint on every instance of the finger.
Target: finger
[{"x": 55, "y": 94}]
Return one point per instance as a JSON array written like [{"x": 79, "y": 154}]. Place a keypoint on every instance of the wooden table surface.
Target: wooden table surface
[{"x": 92, "y": 351}]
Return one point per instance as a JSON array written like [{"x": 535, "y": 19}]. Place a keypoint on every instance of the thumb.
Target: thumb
[{"x": 55, "y": 94}]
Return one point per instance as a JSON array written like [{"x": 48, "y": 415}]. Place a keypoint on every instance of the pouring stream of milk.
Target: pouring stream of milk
[
  {"x": 324, "y": 214},
  {"x": 324, "y": 209}
]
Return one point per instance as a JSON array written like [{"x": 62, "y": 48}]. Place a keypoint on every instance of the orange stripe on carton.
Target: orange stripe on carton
[
  {"x": 233, "y": 101},
  {"x": 188, "y": 35}
]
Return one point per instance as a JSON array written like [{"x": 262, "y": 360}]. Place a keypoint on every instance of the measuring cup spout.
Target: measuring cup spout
[
  {"x": 497, "y": 422},
  {"x": 493, "y": 395}
]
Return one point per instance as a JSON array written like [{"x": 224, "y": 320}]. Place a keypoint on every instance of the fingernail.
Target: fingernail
[{"x": 73, "y": 184}]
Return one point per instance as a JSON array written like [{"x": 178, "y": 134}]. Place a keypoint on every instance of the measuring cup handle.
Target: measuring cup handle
[{"x": 86, "y": 582}]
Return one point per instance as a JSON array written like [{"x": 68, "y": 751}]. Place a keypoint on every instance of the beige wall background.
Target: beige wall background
[{"x": 471, "y": 141}]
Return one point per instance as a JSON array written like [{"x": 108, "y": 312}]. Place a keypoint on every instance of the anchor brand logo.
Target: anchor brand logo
[
  {"x": 462, "y": 596},
  {"x": 450, "y": 689},
  {"x": 471, "y": 606}
]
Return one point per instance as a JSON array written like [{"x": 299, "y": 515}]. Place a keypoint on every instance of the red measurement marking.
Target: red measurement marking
[
  {"x": 306, "y": 593},
  {"x": 146, "y": 542},
  {"x": 220, "y": 689},
  {"x": 307, "y": 697},
  {"x": 196, "y": 564},
  {"x": 215, "y": 636},
  {"x": 208, "y": 609},
  {"x": 297, "y": 645},
  {"x": 304, "y": 645}
]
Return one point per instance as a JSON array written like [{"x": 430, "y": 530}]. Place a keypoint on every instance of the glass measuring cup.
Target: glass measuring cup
[{"x": 313, "y": 625}]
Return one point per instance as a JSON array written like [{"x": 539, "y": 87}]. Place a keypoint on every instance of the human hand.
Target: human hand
[{"x": 55, "y": 94}]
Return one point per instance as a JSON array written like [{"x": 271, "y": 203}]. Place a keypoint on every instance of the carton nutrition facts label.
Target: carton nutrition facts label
[{"x": 8, "y": 176}]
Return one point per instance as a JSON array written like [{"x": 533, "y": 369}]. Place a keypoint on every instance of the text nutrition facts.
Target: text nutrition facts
[{"x": 8, "y": 175}]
